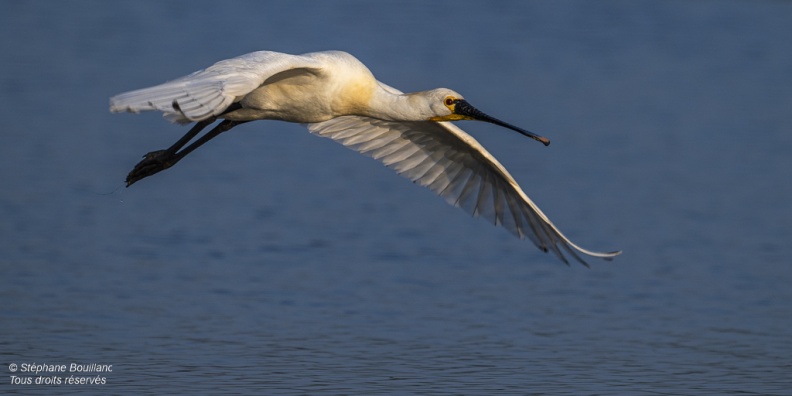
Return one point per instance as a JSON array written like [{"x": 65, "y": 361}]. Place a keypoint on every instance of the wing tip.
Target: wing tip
[
  {"x": 115, "y": 107},
  {"x": 607, "y": 256}
]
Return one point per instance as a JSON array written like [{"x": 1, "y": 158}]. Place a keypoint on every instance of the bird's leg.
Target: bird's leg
[{"x": 160, "y": 160}]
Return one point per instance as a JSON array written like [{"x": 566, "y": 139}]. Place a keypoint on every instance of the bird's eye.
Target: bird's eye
[{"x": 449, "y": 101}]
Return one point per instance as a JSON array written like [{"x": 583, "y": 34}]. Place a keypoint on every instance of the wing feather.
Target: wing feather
[
  {"x": 209, "y": 92},
  {"x": 448, "y": 161}
]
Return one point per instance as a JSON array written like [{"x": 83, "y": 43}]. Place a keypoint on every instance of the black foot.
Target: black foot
[{"x": 152, "y": 163}]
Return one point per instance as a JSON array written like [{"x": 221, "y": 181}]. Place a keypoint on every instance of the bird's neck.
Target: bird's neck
[{"x": 398, "y": 107}]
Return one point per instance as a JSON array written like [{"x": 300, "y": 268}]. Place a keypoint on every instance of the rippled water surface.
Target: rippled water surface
[{"x": 275, "y": 262}]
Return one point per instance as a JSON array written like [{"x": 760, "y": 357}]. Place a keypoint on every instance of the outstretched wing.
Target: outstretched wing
[
  {"x": 448, "y": 161},
  {"x": 207, "y": 93}
]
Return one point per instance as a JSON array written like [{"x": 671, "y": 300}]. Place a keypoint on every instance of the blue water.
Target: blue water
[{"x": 275, "y": 262}]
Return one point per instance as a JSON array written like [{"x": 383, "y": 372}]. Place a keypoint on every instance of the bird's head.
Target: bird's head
[{"x": 448, "y": 105}]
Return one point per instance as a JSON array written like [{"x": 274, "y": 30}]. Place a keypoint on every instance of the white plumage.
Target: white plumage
[{"x": 337, "y": 97}]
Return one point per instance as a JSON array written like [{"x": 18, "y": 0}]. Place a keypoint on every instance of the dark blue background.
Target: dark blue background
[{"x": 275, "y": 262}]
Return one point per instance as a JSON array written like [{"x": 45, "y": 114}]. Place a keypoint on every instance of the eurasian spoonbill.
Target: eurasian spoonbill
[{"x": 336, "y": 96}]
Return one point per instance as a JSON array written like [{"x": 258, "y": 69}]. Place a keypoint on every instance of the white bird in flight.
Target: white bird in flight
[{"x": 336, "y": 96}]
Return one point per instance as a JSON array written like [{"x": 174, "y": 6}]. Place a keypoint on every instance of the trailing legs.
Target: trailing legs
[{"x": 160, "y": 160}]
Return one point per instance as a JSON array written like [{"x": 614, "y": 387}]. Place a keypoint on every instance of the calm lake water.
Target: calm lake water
[{"x": 275, "y": 262}]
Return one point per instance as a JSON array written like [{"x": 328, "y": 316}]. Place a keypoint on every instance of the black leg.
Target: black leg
[
  {"x": 160, "y": 160},
  {"x": 198, "y": 127}
]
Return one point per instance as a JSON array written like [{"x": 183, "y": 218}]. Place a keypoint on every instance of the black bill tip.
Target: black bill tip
[{"x": 462, "y": 107}]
